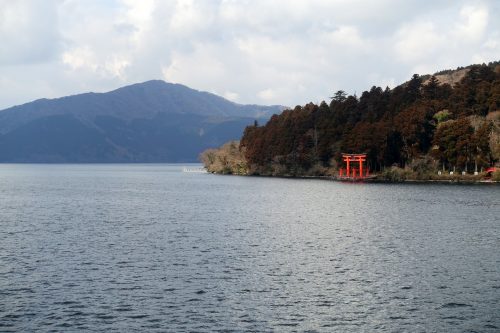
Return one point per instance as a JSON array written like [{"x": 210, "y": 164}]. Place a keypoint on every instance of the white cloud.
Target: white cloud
[
  {"x": 191, "y": 18},
  {"x": 28, "y": 32},
  {"x": 231, "y": 95},
  {"x": 267, "y": 94},
  {"x": 473, "y": 22},
  {"x": 417, "y": 41},
  {"x": 347, "y": 36},
  {"x": 202, "y": 65},
  {"x": 80, "y": 57},
  {"x": 454, "y": 36},
  {"x": 284, "y": 52},
  {"x": 84, "y": 59}
]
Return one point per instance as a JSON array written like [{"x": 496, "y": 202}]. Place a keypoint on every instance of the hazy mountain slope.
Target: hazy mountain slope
[
  {"x": 148, "y": 122},
  {"x": 142, "y": 100}
]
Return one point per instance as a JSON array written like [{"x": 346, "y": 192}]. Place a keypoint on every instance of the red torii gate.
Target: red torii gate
[{"x": 354, "y": 173}]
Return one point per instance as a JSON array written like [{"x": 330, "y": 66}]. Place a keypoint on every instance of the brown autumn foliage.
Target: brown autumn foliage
[
  {"x": 227, "y": 159},
  {"x": 445, "y": 125}
]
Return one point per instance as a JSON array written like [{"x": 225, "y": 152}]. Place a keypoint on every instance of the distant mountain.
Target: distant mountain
[{"x": 152, "y": 121}]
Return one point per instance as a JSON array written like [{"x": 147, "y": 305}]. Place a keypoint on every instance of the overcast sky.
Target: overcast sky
[{"x": 266, "y": 52}]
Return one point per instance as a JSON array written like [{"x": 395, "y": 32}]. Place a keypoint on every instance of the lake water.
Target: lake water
[{"x": 147, "y": 248}]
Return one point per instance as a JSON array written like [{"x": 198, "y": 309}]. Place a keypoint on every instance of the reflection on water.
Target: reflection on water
[{"x": 152, "y": 248}]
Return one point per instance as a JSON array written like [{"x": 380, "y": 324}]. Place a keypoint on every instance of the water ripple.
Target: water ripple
[{"x": 120, "y": 248}]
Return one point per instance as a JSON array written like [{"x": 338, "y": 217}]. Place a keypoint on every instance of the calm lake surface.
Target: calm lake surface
[{"x": 149, "y": 248}]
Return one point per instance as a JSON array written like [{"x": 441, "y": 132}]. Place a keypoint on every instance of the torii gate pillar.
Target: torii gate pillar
[{"x": 354, "y": 173}]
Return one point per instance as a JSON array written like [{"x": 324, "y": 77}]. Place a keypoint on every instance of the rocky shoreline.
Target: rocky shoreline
[{"x": 377, "y": 179}]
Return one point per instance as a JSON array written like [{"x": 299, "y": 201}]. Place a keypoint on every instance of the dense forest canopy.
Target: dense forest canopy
[{"x": 451, "y": 126}]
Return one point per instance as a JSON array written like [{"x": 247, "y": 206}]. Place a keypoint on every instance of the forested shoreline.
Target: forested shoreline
[{"x": 428, "y": 124}]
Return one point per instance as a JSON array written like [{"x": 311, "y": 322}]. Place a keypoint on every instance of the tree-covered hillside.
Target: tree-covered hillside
[{"x": 423, "y": 123}]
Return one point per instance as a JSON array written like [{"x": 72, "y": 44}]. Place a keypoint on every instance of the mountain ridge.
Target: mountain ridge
[
  {"x": 139, "y": 100},
  {"x": 152, "y": 121}
]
